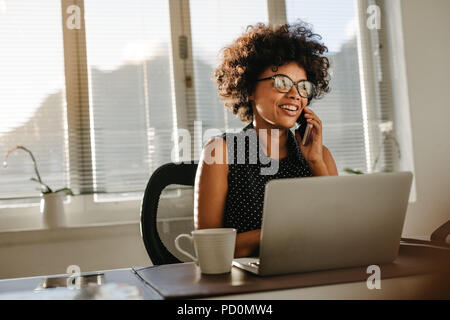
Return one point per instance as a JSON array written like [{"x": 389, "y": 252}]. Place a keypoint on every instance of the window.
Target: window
[
  {"x": 98, "y": 104},
  {"x": 32, "y": 98},
  {"x": 213, "y": 25},
  {"x": 356, "y": 111},
  {"x": 130, "y": 92}
]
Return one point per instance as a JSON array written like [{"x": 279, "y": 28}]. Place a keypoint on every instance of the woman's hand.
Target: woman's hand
[
  {"x": 313, "y": 150},
  {"x": 315, "y": 153},
  {"x": 247, "y": 244}
]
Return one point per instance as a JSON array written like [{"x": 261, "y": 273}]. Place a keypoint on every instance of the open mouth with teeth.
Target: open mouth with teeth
[{"x": 289, "y": 110}]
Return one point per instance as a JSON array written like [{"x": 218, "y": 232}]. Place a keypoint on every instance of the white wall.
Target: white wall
[
  {"x": 426, "y": 30},
  {"x": 43, "y": 252}
]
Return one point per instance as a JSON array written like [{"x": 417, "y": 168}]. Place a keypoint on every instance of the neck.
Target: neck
[{"x": 272, "y": 138}]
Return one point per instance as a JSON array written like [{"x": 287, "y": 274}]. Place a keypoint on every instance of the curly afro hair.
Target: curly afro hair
[{"x": 262, "y": 46}]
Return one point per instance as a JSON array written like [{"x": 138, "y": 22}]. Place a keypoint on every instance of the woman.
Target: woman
[{"x": 267, "y": 77}]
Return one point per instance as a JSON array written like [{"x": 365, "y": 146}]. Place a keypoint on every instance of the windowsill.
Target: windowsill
[
  {"x": 69, "y": 227},
  {"x": 83, "y": 215},
  {"x": 68, "y": 233},
  {"x": 80, "y": 212}
]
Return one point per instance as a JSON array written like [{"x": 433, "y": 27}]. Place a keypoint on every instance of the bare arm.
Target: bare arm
[
  {"x": 325, "y": 167},
  {"x": 211, "y": 187},
  {"x": 329, "y": 162}
]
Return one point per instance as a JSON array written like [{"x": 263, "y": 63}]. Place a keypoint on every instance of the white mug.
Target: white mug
[{"x": 214, "y": 249}]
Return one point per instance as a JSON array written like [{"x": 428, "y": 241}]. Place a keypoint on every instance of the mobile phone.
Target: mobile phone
[{"x": 304, "y": 129}]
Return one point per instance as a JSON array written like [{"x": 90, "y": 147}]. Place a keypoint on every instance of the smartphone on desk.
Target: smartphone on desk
[
  {"x": 305, "y": 128},
  {"x": 86, "y": 279}
]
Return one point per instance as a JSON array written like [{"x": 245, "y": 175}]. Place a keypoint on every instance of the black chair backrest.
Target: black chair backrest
[{"x": 170, "y": 173}]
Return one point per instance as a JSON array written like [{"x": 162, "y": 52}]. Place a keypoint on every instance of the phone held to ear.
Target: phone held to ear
[{"x": 305, "y": 128}]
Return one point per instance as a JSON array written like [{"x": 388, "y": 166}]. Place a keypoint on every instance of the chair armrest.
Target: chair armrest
[{"x": 440, "y": 235}]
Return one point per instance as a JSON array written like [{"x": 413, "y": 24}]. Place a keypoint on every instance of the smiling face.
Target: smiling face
[{"x": 267, "y": 101}]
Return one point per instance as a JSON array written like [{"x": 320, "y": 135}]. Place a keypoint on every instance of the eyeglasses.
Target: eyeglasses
[{"x": 284, "y": 84}]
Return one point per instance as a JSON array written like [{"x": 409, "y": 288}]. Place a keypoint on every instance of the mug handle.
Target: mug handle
[{"x": 183, "y": 251}]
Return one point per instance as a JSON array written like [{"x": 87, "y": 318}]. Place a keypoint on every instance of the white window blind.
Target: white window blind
[
  {"x": 214, "y": 25},
  {"x": 134, "y": 92},
  {"x": 128, "y": 57},
  {"x": 32, "y": 98},
  {"x": 358, "y": 106}
]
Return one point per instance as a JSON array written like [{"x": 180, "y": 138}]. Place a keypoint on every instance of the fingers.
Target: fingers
[
  {"x": 316, "y": 132},
  {"x": 312, "y": 118},
  {"x": 317, "y": 125},
  {"x": 309, "y": 114}
]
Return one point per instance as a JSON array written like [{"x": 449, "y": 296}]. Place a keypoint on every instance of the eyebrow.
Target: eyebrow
[{"x": 282, "y": 74}]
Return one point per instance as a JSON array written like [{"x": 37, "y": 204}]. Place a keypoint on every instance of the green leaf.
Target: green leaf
[
  {"x": 67, "y": 191},
  {"x": 353, "y": 171}
]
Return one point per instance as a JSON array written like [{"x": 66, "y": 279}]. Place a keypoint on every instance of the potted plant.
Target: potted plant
[{"x": 51, "y": 206}]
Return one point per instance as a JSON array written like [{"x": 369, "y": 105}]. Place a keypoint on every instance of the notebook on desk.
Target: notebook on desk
[{"x": 320, "y": 223}]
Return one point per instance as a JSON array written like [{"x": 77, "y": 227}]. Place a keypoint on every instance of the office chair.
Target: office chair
[{"x": 167, "y": 174}]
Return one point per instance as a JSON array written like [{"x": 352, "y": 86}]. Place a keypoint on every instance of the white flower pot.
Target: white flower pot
[{"x": 52, "y": 210}]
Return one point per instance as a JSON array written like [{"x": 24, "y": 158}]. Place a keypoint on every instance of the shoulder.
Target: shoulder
[
  {"x": 212, "y": 171},
  {"x": 221, "y": 149},
  {"x": 215, "y": 151}
]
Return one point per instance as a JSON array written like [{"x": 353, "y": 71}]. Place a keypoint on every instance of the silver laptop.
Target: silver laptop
[{"x": 320, "y": 223}]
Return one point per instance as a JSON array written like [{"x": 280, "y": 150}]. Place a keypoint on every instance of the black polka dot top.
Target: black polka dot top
[{"x": 248, "y": 174}]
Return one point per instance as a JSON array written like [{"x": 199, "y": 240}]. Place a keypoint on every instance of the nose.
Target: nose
[{"x": 294, "y": 94}]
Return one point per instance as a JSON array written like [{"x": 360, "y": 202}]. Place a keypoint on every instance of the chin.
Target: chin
[
  {"x": 280, "y": 122},
  {"x": 284, "y": 125},
  {"x": 288, "y": 122}
]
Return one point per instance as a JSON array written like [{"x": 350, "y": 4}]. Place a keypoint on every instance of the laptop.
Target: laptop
[{"x": 320, "y": 223}]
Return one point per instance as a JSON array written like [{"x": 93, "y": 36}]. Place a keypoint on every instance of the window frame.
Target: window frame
[{"x": 83, "y": 208}]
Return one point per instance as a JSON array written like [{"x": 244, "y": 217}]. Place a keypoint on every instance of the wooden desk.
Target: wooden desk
[
  {"x": 414, "y": 287},
  {"x": 118, "y": 276},
  {"x": 404, "y": 288},
  {"x": 419, "y": 286}
]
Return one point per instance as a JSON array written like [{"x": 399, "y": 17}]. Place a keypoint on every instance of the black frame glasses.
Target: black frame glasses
[{"x": 302, "y": 85}]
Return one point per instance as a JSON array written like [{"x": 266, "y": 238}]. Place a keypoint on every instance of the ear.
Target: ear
[
  {"x": 251, "y": 94},
  {"x": 308, "y": 101}
]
